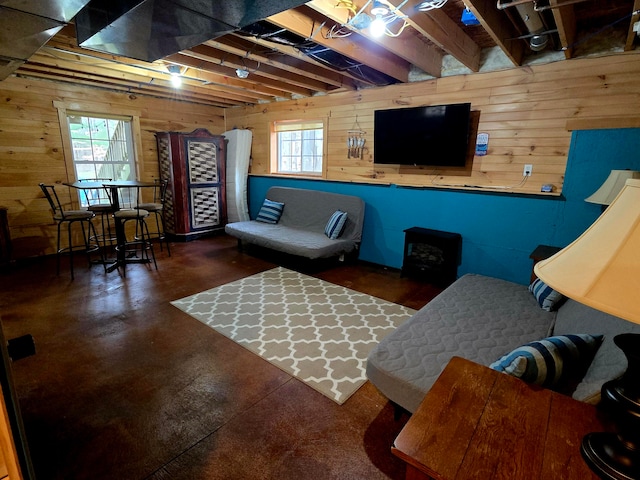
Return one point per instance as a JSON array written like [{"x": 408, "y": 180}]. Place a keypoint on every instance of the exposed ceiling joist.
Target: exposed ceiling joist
[
  {"x": 269, "y": 56},
  {"x": 309, "y": 24},
  {"x": 497, "y": 24},
  {"x": 406, "y": 46},
  {"x": 444, "y": 32},
  {"x": 308, "y": 49}
]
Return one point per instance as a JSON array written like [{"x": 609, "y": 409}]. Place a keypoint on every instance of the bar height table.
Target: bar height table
[{"x": 114, "y": 186}]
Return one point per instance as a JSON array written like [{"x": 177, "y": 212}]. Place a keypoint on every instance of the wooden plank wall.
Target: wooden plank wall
[
  {"x": 526, "y": 112},
  {"x": 31, "y": 146}
]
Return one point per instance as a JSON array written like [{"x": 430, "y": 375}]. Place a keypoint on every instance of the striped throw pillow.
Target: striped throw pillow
[
  {"x": 552, "y": 361},
  {"x": 547, "y": 297},
  {"x": 335, "y": 225},
  {"x": 270, "y": 211}
]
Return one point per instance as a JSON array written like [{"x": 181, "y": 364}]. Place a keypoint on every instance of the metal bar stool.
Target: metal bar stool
[
  {"x": 129, "y": 210},
  {"x": 69, "y": 217},
  {"x": 157, "y": 208},
  {"x": 100, "y": 203}
]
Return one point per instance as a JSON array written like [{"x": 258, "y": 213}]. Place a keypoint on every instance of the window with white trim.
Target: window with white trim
[
  {"x": 299, "y": 147},
  {"x": 102, "y": 147}
]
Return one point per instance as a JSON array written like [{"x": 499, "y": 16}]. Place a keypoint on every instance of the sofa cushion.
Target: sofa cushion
[
  {"x": 270, "y": 212},
  {"x": 335, "y": 225},
  {"x": 547, "y": 297},
  {"x": 476, "y": 317},
  {"x": 551, "y": 362}
]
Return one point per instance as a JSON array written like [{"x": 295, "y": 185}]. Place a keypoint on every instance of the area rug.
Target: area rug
[{"x": 318, "y": 332}]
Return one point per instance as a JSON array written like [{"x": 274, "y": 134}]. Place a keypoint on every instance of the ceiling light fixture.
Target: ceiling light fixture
[
  {"x": 378, "y": 25},
  {"x": 242, "y": 72},
  {"x": 176, "y": 72},
  {"x": 384, "y": 16},
  {"x": 379, "y": 8}
]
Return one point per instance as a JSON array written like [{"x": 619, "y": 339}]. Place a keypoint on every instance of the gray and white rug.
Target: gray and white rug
[{"x": 318, "y": 332}]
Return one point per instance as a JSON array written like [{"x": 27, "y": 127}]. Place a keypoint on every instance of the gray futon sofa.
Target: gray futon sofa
[
  {"x": 481, "y": 319},
  {"x": 301, "y": 228}
]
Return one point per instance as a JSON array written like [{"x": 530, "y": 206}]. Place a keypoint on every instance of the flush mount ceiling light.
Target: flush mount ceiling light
[{"x": 176, "y": 72}]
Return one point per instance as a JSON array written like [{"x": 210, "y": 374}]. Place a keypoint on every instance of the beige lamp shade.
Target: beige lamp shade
[
  {"x": 611, "y": 186},
  {"x": 601, "y": 268}
]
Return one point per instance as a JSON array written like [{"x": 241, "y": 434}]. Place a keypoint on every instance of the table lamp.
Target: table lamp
[
  {"x": 611, "y": 186},
  {"x": 601, "y": 269}
]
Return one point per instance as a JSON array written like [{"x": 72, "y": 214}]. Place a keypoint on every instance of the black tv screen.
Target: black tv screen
[{"x": 436, "y": 135}]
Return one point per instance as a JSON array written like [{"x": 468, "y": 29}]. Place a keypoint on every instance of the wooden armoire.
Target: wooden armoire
[{"x": 194, "y": 166}]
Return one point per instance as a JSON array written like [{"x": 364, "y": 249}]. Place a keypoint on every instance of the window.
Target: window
[
  {"x": 299, "y": 147},
  {"x": 102, "y": 147}
]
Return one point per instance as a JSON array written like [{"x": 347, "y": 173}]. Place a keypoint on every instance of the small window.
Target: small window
[
  {"x": 102, "y": 147},
  {"x": 299, "y": 147}
]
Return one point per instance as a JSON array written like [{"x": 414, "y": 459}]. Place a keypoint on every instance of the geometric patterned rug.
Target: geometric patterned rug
[{"x": 318, "y": 332}]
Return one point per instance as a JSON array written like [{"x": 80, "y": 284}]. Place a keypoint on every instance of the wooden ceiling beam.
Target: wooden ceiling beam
[
  {"x": 499, "y": 27},
  {"x": 309, "y": 24},
  {"x": 268, "y": 56},
  {"x": 631, "y": 35},
  {"x": 225, "y": 80},
  {"x": 69, "y": 61},
  {"x": 444, "y": 32},
  {"x": 206, "y": 72},
  {"x": 406, "y": 46},
  {"x": 259, "y": 69},
  {"x": 565, "y": 19},
  {"x": 294, "y": 53},
  {"x": 46, "y": 72},
  {"x": 196, "y": 52}
]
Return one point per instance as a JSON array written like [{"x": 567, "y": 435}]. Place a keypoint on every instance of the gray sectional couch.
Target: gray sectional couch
[
  {"x": 300, "y": 230},
  {"x": 482, "y": 318}
]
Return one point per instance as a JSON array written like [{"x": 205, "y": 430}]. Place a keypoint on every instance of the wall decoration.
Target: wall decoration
[{"x": 482, "y": 143}]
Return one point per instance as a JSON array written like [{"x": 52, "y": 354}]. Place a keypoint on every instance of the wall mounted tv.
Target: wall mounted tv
[{"x": 436, "y": 135}]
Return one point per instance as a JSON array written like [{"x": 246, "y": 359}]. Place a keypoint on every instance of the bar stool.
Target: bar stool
[
  {"x": 129, "y": 210},
  {"x": 103, "y": 206},
  {"x": 157, "y": 208},
  {"x": 60, "y": 216}
]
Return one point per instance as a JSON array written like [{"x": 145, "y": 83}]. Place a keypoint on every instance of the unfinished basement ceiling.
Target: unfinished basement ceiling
[{"x": 247, "y": 52}]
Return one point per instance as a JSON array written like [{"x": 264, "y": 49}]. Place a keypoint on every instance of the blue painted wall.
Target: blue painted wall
[{"x": 499, "y": 231}]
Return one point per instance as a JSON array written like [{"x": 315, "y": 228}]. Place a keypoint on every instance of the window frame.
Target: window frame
[
  {"x": 274, "y": 145},
  {"x": 64, "y": 110}
]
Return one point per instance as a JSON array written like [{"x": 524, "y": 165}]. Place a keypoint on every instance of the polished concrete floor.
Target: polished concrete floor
[{"x": 126, "y": 386}]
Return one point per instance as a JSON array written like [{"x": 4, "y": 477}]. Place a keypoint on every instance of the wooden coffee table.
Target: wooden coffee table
[{"x": 476, "y": 423}]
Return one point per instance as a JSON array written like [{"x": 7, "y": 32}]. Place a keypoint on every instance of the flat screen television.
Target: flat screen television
[{"x": 436, "y": 135}]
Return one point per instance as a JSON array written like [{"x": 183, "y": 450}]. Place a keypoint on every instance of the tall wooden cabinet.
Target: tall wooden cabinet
[{"x": 194, "y": 166}]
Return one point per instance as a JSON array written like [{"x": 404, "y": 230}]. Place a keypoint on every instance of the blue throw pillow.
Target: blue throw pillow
[
  {"x": 270, "y": 211},
  {"x": 551, "y": 362},
  {"x": 547, "y": 297},
  {"x": 335, "y": 225}
]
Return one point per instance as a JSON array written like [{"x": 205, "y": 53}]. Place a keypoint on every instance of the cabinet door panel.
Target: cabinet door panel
[
  {"x": 202, "y": 161},
  {"x": 205, "y": 207}
]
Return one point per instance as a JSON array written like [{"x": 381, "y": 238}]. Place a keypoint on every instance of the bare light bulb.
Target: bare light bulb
[
  {"x": 378, "y": 26},
  {"x": 175, "y": 71},
  {"x": 176, "y": 80}
]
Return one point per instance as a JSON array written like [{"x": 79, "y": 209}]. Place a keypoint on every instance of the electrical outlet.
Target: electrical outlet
[{"x": 527, "y": 170}]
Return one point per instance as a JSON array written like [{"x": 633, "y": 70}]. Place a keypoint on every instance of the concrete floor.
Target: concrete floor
[{"x": 124, "y": 385}]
